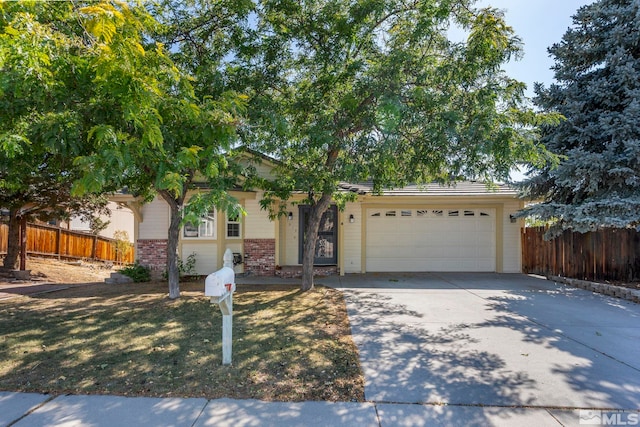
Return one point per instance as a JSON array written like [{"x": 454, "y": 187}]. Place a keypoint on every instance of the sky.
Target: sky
[{"x": 539, "y": 23}]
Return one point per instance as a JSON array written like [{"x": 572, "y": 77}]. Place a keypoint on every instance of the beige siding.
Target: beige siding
[
  {"x": 512, "y": 253},
  {"x": 156, "y": 216},
  {"x": 121, "y": 219},
  {"x": 264, "y": 170},
  {"x": 351, "y": 245},
  {"x": 257, "y": 224},
  {"x": 291, "y": 231},
  {"x": 206, "y": 256}
]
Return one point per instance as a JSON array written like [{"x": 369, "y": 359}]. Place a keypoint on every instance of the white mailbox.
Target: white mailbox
[
  {"x": 220, "y": 283},
  {"x": 220, "y": 286}
]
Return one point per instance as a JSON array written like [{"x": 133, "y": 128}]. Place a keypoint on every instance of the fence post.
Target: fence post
[
  {"x": 58, "y": 238},
  {"x": 94, "y": 247}
]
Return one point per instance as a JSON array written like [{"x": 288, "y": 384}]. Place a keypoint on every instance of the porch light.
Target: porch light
[
  {"x": 290, "y": 216},
  {"x": 352, "y": 219},
  {"x": 512, "y": 218}
]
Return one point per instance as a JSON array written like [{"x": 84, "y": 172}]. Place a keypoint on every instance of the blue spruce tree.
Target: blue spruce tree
[{"x": 597, "y": 69}]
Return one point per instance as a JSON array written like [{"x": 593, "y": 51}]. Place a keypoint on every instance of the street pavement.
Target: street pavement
[{"x": 437, "y": 349}]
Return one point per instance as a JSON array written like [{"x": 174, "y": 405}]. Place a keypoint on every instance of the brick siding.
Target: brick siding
[
  {"x": 260, "y": 257},
  {"x": 152, "y": 253}
]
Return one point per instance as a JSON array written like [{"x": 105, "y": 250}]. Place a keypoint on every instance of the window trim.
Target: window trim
[
  {"x": 210, "y": 216},
  {"x": 228, "y": 222}
]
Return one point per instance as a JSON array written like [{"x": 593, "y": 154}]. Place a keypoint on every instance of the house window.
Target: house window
[
  {"x": 205, "y": 229},
  {"x": 375, "y": 214},
  {"x": 233, "y": 227},
  {"x": 484, "y": 214},
  {"x": 390, "y": 213},
  {"x": 405, "y": 213},
  {"x": 469, "y": 213},
  {"x": 437, "y": 212},
  {"x": 422, "y": 212},
  {"x": 454, "y": 213}
]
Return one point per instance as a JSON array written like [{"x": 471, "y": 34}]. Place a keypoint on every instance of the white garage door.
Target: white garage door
[{"x": 430, "y": 239}]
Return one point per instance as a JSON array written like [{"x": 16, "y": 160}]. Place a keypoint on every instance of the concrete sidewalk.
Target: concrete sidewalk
[{"x": 35, "y": 410}]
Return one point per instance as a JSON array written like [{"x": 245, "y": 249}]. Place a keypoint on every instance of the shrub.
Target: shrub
[
  {"x": 188, "y": 267},
  {"x": 185, "y": 268},
  {"x": 138, "y": 272}
]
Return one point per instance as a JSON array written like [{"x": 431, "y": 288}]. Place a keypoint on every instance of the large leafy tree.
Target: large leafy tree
[
  {"x": 374, "y": 89},
  {"x": 597, "y": 64},
  {"x": 89, "y": 91},
  {"x": 45, "y": 87},
  {"x": 154, "y": 134}
]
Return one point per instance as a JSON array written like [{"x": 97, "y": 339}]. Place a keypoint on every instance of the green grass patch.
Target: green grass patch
[{"x": 131, "y": 340}]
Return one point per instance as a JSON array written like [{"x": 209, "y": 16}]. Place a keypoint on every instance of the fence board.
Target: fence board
[
  {"x": 610, "y": 254},
  {"x": 53, "y": 241}
]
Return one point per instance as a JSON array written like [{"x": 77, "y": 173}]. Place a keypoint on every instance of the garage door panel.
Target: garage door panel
[{"x": 431, "y": 240}]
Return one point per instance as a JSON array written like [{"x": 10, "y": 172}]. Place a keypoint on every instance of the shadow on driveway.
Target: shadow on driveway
[{"x": 494, "y": 340}]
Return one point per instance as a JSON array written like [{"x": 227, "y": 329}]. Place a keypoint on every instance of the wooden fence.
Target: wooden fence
[
  {"x": 46, "y": 240},
  {"x": 606, "y": 255}
]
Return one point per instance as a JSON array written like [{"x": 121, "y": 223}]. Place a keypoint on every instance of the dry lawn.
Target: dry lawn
[{"x": 131, "y": 340}]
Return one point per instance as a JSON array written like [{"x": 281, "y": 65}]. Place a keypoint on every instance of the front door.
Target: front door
[{"x": 327, "y": 244}]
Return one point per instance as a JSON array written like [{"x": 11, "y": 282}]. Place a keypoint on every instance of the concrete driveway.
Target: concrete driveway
[{"x": 493, "y": 340}]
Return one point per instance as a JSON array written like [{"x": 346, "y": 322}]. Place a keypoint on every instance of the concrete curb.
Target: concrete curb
[{"x": 621, "y": 292}]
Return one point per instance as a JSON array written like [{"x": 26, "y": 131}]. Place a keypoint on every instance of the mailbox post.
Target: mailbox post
[{"x": 220, "y": 287}]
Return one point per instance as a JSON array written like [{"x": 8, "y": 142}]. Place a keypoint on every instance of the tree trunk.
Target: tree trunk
[
  {"x": 13, "y": 241},
  {"x": 311, "y": 238},
  {"x": 173, "y": 274},
  {"x": 23, "y": 243}
]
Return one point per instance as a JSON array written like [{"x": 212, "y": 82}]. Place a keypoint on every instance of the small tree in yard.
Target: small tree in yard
[
  {"x": 155, "y": 135},
  {"x": 122, "y": 244},
  {"x": 597, "y": 64},
  {"x": 351, "y": 91}
]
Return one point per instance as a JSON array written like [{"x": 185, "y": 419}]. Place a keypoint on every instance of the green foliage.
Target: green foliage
[
  {"x": 186, "y": 268},
  {"x": 45, "y": 111},
  {"x": 597, "y": 182},
  {"x": 344, "y": 91},
  {"x": 122, "y": 244},
  {"x": 139, "y": 273},
  {"x": 90, "y": 96}
]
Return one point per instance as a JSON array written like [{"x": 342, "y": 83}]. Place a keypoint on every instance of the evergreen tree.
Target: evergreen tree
[{"x": 597, "y": 68}]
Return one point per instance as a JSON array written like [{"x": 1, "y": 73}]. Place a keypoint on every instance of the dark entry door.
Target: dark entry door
[{"x": 327, "y": 244}]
